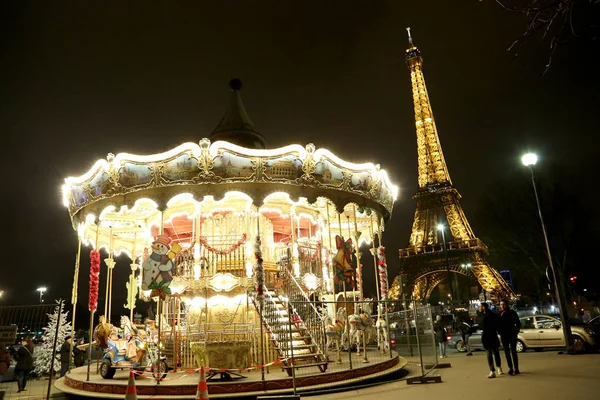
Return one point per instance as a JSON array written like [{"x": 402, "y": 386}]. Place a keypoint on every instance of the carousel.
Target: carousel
[{"x": 249, "y": 257}]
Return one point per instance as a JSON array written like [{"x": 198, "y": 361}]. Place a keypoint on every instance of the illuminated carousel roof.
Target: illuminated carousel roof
[{"x": 217, "y": 168}]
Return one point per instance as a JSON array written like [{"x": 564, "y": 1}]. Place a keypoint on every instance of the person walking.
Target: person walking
[
  {"x": 510, "y": 325},
  {"x": 489, "y": 325},
  {"x": 65, "y": 356},
  {"x": 24, "y": 363},
  {"x": 4, "y": 361},
  {"x": 440, "y": 335},
  {"x": 465, "y": 332}
]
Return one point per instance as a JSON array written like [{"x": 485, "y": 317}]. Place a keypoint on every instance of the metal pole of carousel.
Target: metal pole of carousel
[
  {"x": 359, "y": 273},
  {"x": 346, "y": 298},
  {"x": 74, "y": 296},
  {"x": 339, "y": 357},
  {"x": 260, "y": 299},
  {"x": 374, "y": 253},
  {"x": 159, "y": 310},
  {"x": 387, "y": 319},
  {"x": 111, "y": 267}
]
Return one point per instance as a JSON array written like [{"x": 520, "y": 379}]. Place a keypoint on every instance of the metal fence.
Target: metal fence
[{"x": 413, "y": 337}]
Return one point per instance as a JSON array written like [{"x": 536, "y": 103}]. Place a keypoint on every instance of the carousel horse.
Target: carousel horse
[
  {"x": 361, "y": 325},
  {"x": 102, "y": 333},
  {"x": 383, "y": 342},
  {"x": 335, "y": 335}
]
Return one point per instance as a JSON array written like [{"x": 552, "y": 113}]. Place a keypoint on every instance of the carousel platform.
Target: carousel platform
[{"x": 183, "y": 384}]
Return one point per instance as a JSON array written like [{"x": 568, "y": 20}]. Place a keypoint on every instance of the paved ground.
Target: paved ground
[{"x": 545, "y": 376}]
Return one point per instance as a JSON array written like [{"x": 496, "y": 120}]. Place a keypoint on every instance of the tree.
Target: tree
[
  {"x": 554, "y": 22},
  {"x": 508, "y": 221},
  {"x": 43, "y": 357}
]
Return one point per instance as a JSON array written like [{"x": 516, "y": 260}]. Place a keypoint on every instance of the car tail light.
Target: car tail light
[
  {"x": 448, "y": 337},
  {"x": 393, "y": 341}
]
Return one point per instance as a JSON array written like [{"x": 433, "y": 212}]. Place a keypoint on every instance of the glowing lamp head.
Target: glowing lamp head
[
  {"x": 440, "y": 227},
  {"x": 41, "y": 289},
  {"x": 529, "y": 159}
]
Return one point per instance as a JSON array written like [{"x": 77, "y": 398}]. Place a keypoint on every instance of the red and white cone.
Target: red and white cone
[
  {"x": 202, "y": 392},
  {"x": 131, "y": 392}
]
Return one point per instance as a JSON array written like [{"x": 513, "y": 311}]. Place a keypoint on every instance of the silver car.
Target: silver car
[{"x": 540, "y": 331}]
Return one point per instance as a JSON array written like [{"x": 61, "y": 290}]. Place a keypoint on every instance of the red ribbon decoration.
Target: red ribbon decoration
[{"x": 94, "y": 279}]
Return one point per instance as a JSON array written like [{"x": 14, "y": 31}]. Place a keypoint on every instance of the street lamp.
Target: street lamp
[
  {"x": 41, "y": 290},
  {"x": 441, "y": 228},
  {"x": 529, "y": 160}
]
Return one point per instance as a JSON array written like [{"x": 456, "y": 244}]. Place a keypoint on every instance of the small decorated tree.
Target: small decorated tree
[{"x": 43, "y": 356}]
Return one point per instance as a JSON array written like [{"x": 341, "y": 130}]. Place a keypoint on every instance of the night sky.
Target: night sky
[{"x": 82, "y": 80}]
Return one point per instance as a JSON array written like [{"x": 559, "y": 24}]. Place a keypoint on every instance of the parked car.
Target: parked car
[
  {"x": 456, "y": 342},
  {"x": 541, "y": 331}
]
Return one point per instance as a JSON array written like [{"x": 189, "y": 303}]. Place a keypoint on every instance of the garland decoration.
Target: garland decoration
[
  {"x": 94, "y": 279},
  {"x": 204, "y": 242},
  {"x": 383, "y": 272},
  {"x": 259, "y": 271}
]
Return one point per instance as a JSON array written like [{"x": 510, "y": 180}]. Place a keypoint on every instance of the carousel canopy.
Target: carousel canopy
[{"x": 214, "y": 169}]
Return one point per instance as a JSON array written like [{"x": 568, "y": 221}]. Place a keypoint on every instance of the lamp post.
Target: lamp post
[
  {"x": 441, "y": 228},
  {"x": 529, "y": 160},
  {"x": 41, "y": 290}
]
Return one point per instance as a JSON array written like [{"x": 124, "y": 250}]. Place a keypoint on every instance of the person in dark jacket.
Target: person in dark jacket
[
  {"x": 441, "y": 335},
  {"x": 510, "y": 325},
  {"x": 24, "y": 363},
  {"x": 466, "y": 330},
  {"x": 79, "y": 354},
  {"x": 65, "y": 356},
  {"x": 489, "y": 325}
]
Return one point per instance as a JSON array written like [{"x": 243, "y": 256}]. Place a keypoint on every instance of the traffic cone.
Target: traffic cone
[
  {"x": 131, "y": 392},
  {"x": 202, "y": 392}
]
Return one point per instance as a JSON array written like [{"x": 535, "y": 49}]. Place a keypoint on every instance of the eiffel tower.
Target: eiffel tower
[{"x": 439, "y": 217}]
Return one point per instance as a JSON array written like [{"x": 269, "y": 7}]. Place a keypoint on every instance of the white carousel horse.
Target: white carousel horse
[
  {"x": 127, "y": 327},
  {"x": 335, "y": 335},
  {"x": 383, "y": 342},
  {"x": 361, "y": 326}
]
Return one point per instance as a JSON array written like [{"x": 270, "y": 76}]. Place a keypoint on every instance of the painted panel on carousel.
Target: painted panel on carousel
[
  {"x": 361, "y": 181},
  {"x": 99, "y": 184},
  {"x": 328, "y": 173},
  {"x": 132, "y": 175},
  {"x": 230, "y": 166},
  {"x": 181, "y": 168},
  {"x": 158, "y": 267},
  {"x": 79, "y": 195},
  {"x": 283, "y": 168}
]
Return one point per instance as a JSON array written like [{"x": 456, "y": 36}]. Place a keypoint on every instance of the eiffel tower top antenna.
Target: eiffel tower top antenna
[{"x": 410, "y": 40}]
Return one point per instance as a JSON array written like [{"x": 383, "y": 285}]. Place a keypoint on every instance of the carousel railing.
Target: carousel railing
[{"x": 304, "y": 308}]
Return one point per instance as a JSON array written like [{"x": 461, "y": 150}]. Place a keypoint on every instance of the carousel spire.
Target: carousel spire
[{"x": 235, "y": 126}]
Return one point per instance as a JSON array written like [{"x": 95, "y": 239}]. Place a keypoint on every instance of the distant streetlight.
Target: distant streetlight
[
  {"x": 441, "y": 228},
  {"x": 529, "y": 160},
  {"x": 41, "y": 290},
  {"x": 1, "y": 293}
]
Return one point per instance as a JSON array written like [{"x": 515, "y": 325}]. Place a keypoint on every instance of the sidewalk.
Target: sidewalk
[
  {"x": 545, "y": 375},
  {"x": 36, "y": 389}
]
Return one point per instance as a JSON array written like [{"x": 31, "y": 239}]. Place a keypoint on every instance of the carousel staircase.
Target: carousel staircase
[{"x": 290, "y": 336}]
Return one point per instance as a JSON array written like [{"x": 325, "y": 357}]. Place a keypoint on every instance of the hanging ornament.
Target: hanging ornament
[
  {"x": 383, "y": 272},
  {"x": 259, "y": 272},
  {"x": 94, "y": 279}
]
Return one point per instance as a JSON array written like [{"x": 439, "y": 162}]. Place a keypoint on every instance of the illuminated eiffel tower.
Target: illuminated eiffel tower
[{"x": 425, "y": 263}]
